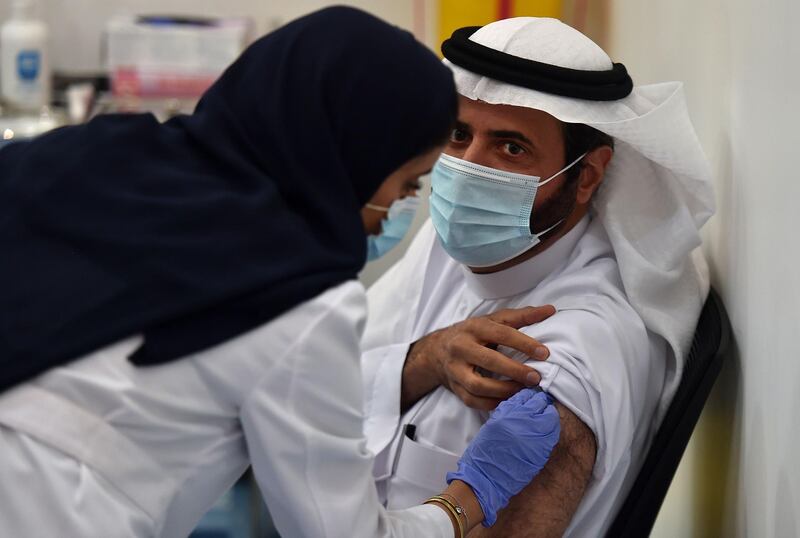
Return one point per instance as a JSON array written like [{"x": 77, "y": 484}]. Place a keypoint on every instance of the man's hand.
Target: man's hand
[{"x": 451, "y": 357}]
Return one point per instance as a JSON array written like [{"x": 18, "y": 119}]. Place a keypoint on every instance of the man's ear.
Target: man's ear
[{"x": 594, "y": 168}]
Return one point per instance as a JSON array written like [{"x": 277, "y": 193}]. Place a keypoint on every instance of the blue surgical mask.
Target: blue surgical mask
[
  {"x": 482, "y": 215},
  {"x": 393, "y": 228}
]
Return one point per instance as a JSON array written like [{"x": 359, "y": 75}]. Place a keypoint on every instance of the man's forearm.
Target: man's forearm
[{"x": 418, "y": 378}]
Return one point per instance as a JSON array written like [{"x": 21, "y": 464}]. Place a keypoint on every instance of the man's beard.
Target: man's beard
[{"x": 557, "y": 208}]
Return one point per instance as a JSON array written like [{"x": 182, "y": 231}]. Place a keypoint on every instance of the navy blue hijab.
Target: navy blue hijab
[{"x": 196, "y": 230}]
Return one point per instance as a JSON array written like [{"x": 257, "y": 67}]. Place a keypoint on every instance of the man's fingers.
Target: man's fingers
[
  {"x": 485, "y": 387},
  {"x": 499, "y": 364},
  {"x": 522, "y": 317},
  {"x": 496, "y": 333},
  {"x": 475, "y": 402}
]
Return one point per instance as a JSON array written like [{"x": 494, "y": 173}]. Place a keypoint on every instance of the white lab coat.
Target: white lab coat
[
  {"x": 604, "y": 365},
  {"x": 103, "y": 448}
]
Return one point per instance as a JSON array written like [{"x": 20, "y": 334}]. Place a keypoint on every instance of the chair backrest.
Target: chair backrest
[{"x": 710, "y": 344}]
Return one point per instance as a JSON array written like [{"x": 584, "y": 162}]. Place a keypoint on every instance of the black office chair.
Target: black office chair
[{"x": 638, "y": 514}]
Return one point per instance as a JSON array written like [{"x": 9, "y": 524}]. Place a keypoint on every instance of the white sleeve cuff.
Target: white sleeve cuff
[
  {"x": 567, "y": 389},
  {"x": 433, "y": 519}
]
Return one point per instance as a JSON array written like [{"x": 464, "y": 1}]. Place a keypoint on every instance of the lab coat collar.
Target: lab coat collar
[{"x": 528, "y": 274}]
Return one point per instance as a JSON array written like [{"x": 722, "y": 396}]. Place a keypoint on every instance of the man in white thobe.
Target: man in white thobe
[{"x": 610, "y": 240}]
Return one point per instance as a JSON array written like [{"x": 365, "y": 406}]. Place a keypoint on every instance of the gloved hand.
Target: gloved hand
[{"x": 509, "y": 450}]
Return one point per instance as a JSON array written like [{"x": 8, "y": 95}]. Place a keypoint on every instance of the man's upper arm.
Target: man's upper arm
[{"x": 546, "y": 506}]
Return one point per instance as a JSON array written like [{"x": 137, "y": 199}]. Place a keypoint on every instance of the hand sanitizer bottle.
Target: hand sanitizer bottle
[{"x": 24, "y": 64}]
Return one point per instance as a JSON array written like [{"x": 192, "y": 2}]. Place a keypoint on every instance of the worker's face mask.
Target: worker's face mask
[
  {"x": 483, "y": 215},
  {"x": 393, "y": 228}
]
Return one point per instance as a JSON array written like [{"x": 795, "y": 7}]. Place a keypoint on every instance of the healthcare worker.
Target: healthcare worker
[{"x": 179, "y": 301}]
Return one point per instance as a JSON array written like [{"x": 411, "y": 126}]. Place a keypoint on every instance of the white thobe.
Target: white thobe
[
  {"x": 103, "y": 448},
  {"x": 604, "y": 365}
]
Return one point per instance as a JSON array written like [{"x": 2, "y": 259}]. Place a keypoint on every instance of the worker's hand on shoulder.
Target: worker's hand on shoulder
[
  {"x": 509, "y": 450},
  {"x": 455, "y": 353}
]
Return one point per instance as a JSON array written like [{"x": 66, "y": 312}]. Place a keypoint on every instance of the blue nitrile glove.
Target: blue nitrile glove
[{"x": 509, "y": 450}]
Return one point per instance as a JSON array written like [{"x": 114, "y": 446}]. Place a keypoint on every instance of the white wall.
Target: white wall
[{"x": 739, "y": 60}]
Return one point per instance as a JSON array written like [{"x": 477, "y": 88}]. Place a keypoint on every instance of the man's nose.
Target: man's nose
[{"x": 475, "y": 153}]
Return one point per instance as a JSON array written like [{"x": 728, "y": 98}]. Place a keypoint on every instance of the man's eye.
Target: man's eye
[
  {"x": 458, "y": 135},
  {"x": 513, "y": 149}
]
